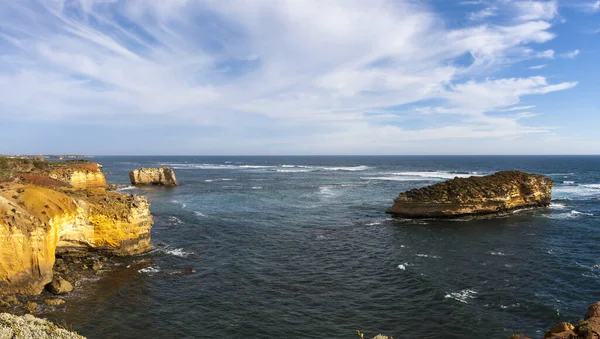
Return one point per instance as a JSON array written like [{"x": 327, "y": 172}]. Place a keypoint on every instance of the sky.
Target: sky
[{"x": 275, "y": 77}]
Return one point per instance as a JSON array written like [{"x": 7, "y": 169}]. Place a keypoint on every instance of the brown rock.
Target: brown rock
[
  {"x": 59, "y": 286},
  {"x": 593, "y": 311},
  {"x": 31, "y": 306},
  {"x": 96, "y": 266},
  {"x": 498, "y": 193},
  {"x": 153, "y": 176},
  {"x": 51, "y": 220},
  {"x": 54, "y": 302},
  {"x": 11, "y": 299}
]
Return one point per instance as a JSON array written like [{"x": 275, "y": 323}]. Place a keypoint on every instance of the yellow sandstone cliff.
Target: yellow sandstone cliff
[{"x": 38, "y": 216}]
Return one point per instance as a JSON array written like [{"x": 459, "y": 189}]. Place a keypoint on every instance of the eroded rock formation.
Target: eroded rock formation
[
  {"x": 153, "y": 176},
  {"x": 498, "y": 193},
  {"x": 39, "y": 216}
]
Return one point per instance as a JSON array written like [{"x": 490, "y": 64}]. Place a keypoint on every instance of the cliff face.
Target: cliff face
[
  {"x": 38, "y": 221},
  {"x": 86, "y": 175},
  {"x": 153, "y": 176},
  {"x": 463, "y": 197}
]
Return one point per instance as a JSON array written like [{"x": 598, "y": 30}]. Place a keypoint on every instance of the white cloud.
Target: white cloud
[
  {"x": 536, "y": 10},
  {"x": 321, "y": 65},
  {"x": 571, "y": 54},
  {"x": 518, "y": 108},
  {"x": 538, "y": 66},
  {"x": 483, "y": 14}
]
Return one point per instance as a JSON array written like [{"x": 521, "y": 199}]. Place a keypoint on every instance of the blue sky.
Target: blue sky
[{"x": 300, "y": 77}]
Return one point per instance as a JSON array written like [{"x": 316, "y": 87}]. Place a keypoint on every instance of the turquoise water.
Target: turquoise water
[{"x": 300, "y": 247}]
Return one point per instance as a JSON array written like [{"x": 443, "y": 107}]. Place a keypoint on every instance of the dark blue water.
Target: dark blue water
[{"x": 300, "y": 247}]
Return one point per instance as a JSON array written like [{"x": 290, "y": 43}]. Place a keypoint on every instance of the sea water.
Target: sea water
[{"x": 300, "y": 247}]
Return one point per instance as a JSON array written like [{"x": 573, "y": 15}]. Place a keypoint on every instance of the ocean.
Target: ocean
[{"x": 300, "y": 247}]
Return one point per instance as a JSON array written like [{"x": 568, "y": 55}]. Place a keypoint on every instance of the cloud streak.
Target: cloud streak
[{"x": 323, "y": 66}]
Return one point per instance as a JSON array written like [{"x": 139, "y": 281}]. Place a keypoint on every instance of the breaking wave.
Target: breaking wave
[{"x": 463, "y": 296}]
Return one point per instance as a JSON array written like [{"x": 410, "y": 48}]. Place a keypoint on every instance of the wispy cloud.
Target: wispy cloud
[
  {"x": 483, "y": 14},
  {"x": 536, "y": 10},
  {"x": 538, "y": 66},
  {"x": 571, "y": 54},
  {"x": 318, "y": 65},
  {"x": 518, "y": 108}
]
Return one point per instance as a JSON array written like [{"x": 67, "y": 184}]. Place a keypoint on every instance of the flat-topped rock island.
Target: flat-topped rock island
[{"x": 495, "y": 194}]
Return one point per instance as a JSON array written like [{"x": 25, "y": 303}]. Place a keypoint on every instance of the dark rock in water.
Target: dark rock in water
[
  {"x": 498, "y": 193},
  {"x": 59, "y": 286},
  {"x": 153, "y": 176}
]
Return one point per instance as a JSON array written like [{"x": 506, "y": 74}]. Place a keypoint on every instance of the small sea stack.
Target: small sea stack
[
  {"x": 163, "y": 176},
  {"x": 495, "y": 194}
]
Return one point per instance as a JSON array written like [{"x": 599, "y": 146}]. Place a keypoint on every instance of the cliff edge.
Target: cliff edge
[
  {"x": 498, "y": 193},
  {"x": 42, "y": 212}
]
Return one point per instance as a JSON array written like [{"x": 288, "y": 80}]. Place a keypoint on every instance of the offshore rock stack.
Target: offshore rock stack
[{"x": 495, "y": 194}]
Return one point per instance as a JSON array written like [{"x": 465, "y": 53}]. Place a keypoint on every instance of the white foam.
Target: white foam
[
  {"x": 172, "y": 220},
  {"x": 178, "y": 252},
  {"x": 569, "y": 215},
  {"x": 351, "y": 168},
  {"x": 219, "y": 179},
  {"x": 403, "y": 266},
  {"x": 577, "y": 191},
  {"x": 392, "y": 178},
  {"x": 150, "y": 270},
  {"x": 462, "y": 296},
  {"x": 300, "y": 170},
  {"x": 497, "y": 253},
  {"x": 257, "y": 187},
  {"x": 574, "y": 212},
  {"x": 428, "y": 256},
  {"x": 326, "y": 190},
  {"x": 558, "y": 206},
  {"x": 437, "y": 174},
  {"x": 127, "y": 188},
  {"x": 255, "y": 166},
  {"x": 374, "y": 223},
  {"x": 568, "y": 182},
  {"x": 200, "y": 214}
]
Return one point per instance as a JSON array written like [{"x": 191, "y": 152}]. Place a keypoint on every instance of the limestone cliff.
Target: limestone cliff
[
  {"x": 475, "y": 196},
  {"x": 39, "y": 217},
  {"x": 85, "y": 175},
  {"x": 75, "y": 173},
  {"x": 153, "y": 176}
]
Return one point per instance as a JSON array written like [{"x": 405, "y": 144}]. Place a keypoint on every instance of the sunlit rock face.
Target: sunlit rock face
[
  {"x": 39, "y": 217},
  {"x": 498, "y": 193},
  {"x": 85, "y": 175},
  {"x": 153, "y": 176}
]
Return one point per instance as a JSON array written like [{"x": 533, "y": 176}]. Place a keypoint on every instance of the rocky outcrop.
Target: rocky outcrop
[
  {"x": 74, "y": 173},
  {"x": 153, "y": 176},
  {"x": 498, "y": 193},
  {"x": 30, "y": 327},
  {"x": 588, "y": 328},
  {"x": 87, "y": 175},
  {"x": 40, "y": 218}
]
